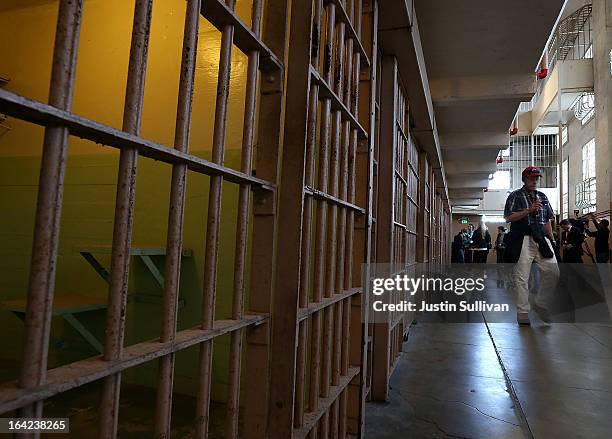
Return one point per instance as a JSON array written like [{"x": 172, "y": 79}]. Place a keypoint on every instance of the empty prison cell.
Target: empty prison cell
[
  {"x": 196, "y": 193},
  {"x": 188, "y": 51}
]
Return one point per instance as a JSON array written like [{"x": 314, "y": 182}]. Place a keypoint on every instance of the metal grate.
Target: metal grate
[
  {"x": 534, "y": 150},
  {"x": 573, "y": 38}
]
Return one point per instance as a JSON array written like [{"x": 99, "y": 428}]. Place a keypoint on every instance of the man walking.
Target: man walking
[{"x": 530, "y": 242}]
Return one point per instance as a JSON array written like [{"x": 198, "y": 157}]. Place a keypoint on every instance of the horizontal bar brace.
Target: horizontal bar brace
[
  {"x": 319, "y": 195},
  {"x": 326, "y": 92},
  {"x": 220, "y": 15},
  {"x": 43, "y": 114},
  {"x": 70, "y": 376},
  {"x": 313, "y": 307}
]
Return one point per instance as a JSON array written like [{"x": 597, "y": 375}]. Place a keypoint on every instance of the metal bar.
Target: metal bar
[
  {"x": 289, "y": 231},
  {"x": 248, "y": 138},
  {"x": 41, "y": 286},
  {"x": 336, "y": 102},
  {"x": 79, "y": 373},
  {"x": 247, "y": 40},
  {"x": 386, "y": 245},
  {"x": 313, "y": 417},
  {"x": 305, "y": 251},
  {"x": 314, "y": 307},
  {"x": 213, "y": 223},
  {"x": 329, "y": 346},
  {"x": 321, "y": 216},
  {"x": 124, "y": 211},
  {"x": 47, "y": 115},
  {"x": 350, "y": 333},
  {"x": 320, "y": 195},
  {"x": 339, "y": 339},
  {"x": 263, "y": 255},
  {"x": 351, "y": 31},
  {"x": 174, "y": 239}
]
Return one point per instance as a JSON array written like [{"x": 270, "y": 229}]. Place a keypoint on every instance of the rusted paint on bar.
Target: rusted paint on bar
[
  {"x": 42, "y": 114},
  {"x": 48, "y": 208},
  {"x": 248, "y": 138},
  {"x": 174, "y": 240},
  {"x": 124, "y": 212},
  {"x": 213, "y": 223},
  {"x": 79, "y": 373},
  {"x": 311, "y": 419}
]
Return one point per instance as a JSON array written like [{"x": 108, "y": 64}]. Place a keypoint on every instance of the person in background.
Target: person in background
[
  {"x": 470, "y": 230},
  {"x": 500, "y": 245},
  {"x": 458, "y": 253},
  {"x": 571, "y": 242},
  {"x": 528, "y": 243},
  {"x": 481, "y": 239},
  {"x": 602, "y": 239}
]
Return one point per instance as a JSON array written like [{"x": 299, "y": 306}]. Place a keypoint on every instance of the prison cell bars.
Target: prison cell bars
[
  {"x": 36, "y": 384},
  {"x": 319, "y": 280}
]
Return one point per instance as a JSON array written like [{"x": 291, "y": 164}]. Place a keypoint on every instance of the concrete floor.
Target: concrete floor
[{"x": 467, "y": 380}]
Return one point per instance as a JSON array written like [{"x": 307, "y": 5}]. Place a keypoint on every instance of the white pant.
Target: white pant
[{"x": 549, "y": 275}]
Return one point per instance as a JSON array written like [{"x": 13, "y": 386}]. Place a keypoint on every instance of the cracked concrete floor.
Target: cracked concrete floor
[{"x": 449, "y": 383}]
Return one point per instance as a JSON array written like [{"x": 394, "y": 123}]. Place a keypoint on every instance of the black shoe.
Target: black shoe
[{"x": 522, "y": 318}]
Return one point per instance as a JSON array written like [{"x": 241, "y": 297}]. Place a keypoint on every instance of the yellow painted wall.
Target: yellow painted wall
[{"x": 27, "y": 32}]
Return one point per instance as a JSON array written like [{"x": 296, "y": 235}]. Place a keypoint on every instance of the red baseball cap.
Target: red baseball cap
[{"x": 531, "y": 171}]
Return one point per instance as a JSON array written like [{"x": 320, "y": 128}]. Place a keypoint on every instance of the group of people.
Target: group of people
[
  {"x": 476, "y": 244},
  {"x": 574, "y": 234},
  {"x": 531, "y": 241}
]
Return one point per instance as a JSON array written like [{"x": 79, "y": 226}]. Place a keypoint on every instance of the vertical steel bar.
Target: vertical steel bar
[
  {"x": 285, "y": 303},
  {"x": 213, "y": 228},
  {"x": 263, "y": 254},
  {"x": 248, "y": 137},
  {"x": 305, "y": 251},
  {"x": 327, "y": 276},
  {"x": 48, "y": 208},
  {"x": 353, "y": 104},
  {"x": 321, "y": 224},
  {"x": 174, "y": 241},
  {"x": 124, "y": 213}
]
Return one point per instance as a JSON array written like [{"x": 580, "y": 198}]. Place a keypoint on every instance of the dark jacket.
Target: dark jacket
[
  {"x": 575, "y": 237},
  {"x": 500, "y": 243},
  {"x": 481, "y": 240},
  {"x": 602, "y": 236}
]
